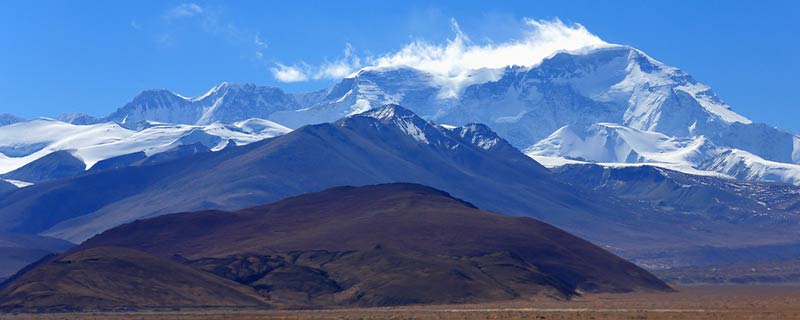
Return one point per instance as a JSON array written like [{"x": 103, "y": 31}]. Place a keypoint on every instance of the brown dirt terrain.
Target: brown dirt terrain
[{"x": 690, "y": 302}]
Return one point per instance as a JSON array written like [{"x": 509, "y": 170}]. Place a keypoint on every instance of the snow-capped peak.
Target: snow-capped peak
[
  {"x": 213, "y": 91},
  {"x": 479, "y": 135},
  {"x": 389, "y": 113},
  {"x": 407, "y": 121}
]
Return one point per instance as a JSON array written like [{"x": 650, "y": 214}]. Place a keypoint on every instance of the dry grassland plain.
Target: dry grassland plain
[{"x": 689, "y": 302}]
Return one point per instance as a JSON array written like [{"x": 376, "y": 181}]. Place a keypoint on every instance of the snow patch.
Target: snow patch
[
  {"x": 18, "y": 183},
  {"x": 555, "y": 162}
]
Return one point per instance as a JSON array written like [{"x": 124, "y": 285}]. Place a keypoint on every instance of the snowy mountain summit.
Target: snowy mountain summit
[
  {"x": 225, "y": 103},
  {"x": 610, "y": 104},
  {"x": 573, "y": 104}
]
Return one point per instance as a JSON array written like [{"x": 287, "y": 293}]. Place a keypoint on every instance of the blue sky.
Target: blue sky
[{"x": 92, "y": 57}]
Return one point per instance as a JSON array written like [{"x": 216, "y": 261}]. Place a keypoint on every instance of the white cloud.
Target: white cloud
[
  {"x": 336, "y": 69},
  {"x": 339, "y": 68},
  {"x": 288, "y": 73},
  {"x": 186, "y": 10},
  {"x": 456, "y": 59},
  {"x": 135, "y": 25},
  {"x": 543, "y": 39}
]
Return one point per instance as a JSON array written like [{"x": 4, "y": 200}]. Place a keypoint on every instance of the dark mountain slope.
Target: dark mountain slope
[
  {"x": 18, "y": 250},
  {"x": 117, "y": 162},
  {"x": 6, "y": 186},
  {"x": 381, "y": 245},
  {"x": 57, "y": 165}
]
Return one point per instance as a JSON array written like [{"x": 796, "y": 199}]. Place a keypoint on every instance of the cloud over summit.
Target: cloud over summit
[{"x": 457, "y": 57}]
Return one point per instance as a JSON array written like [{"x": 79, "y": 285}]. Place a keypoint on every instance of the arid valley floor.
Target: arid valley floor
[{"x": 689, "y": 302}]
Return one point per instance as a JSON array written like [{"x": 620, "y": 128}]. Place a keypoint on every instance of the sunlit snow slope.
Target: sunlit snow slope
[{"x": 25, "y": 142}]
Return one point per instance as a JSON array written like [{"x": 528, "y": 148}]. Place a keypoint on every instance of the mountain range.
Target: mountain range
[
  {"x": 608, "y": 124},
  {"x": 612, "y": 104},
  {"x": 392, "y": 144},
  {"x": 389, "y": 144}
]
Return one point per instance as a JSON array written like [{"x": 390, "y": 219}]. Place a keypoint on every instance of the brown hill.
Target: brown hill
[
  {"x": 108, "y": 277},
  {"x": 392, "y": 244}
]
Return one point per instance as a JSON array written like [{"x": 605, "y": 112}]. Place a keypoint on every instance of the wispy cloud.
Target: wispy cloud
[
  {"x": 340, "y": 68},
  {"x": 185, "y": 10},
  {"x": 542, "y": 39},
  {"x": 459, "y": 56},
  {"x": 288, "y": 73},
  {"x": 336, "y": 69}
]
